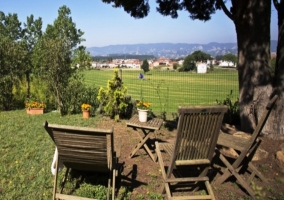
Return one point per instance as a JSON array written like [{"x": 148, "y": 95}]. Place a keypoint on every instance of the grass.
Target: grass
[
  {"x": 167, "y": 90},
  {"x": 26, "y": 153}
]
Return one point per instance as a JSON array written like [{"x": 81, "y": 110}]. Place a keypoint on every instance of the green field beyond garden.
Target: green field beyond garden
[{"x": 166, "y": 90}]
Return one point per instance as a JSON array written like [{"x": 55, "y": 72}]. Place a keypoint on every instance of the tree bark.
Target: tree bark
[
  {"x": 252, "y": 22},
  {"x": 279, "y": 75},
  {"x": 28, "y": 84}
]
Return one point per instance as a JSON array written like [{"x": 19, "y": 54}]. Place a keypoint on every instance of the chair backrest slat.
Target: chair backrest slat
[
  {"x": 82, "y": 148},
  {"x": 197, "y": 132}
]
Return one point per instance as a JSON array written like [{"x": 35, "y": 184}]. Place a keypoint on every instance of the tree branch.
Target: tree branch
[
  {"x": 276, "y": 4},
  {"x": 226, "y": 11}
]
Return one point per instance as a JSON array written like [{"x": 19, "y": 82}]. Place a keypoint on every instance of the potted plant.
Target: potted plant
[
  {"x": 34, "y": 107},
  {"x": 86, "y": 110},
  {"x": 143, "y": 108}
]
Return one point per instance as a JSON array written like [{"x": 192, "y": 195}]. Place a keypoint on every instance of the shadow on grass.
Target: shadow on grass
[{"x": 128, "y": 181}]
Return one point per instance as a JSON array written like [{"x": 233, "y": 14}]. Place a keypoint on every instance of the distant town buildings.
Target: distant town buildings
[{"x": 136, "y": 64}]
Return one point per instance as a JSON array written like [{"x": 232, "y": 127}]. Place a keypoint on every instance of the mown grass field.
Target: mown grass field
[{"x": 166, "y": 90}]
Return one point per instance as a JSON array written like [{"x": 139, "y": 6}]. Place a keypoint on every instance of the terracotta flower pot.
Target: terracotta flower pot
[
  {"x": 86, "y": 114},
  {"x": 34, "y": 111}
]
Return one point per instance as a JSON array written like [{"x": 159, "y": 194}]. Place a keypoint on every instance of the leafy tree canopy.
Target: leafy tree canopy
[
  {"x": 145, "y": 66},
  {"x": 201, "y": 10},
  {"x": 54, "y": 56},
  {"x": 190, "y": 61},
  {"x": 199, "y": 56},
  {"x": 230, "y": 58}
]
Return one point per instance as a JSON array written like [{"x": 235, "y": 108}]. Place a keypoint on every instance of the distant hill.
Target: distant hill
[{"x": 169, "y": 50}]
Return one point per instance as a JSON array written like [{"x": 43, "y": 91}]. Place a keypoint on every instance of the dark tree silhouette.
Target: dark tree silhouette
[{"x": 145, "y": 66}]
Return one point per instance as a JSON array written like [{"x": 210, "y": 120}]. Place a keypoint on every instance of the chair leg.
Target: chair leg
[
  {"x": 114, "y": 172},
  {"x": 209, "y": 190},
  {"x": 166, "y": 187},
  {"x": 226, "y": 172},
  {"x": 108, "y": 184},
  {"x": 64, "y": 179},
  {"x": 168, "y": 191},
  {"x": 202, "y": 174},
  {"x": 231, "y": 171},
  {"x": 55, "y": 178},
  {"x": 257, "y": 173}
]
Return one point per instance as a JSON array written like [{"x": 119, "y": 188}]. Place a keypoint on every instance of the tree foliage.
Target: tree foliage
[
  {"x": 81, "y": 58},
  {"x": 145, "y": 66},
  {"x": 230, "y": 58},
  {"x": 218, "y": 57},
  {"x": 198, "y": 9},
  {"x": 54, "y": 56},
  {"x": 12, "y": 54},
  {"x": 188, "y": 64},
  {"x": 191, "y": 60},
  {"x": 199, "y": 56},
  {"x": 31, "y": 34}
]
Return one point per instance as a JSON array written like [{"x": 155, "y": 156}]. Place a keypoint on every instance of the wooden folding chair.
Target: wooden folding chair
[
  {"x": 189, "y": 158},
  {"x": 86, "y": 149},
  {"x": 245, "y": 148}
]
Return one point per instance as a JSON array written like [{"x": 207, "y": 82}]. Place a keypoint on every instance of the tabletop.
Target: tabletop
[{"x": 153, "y": 124}]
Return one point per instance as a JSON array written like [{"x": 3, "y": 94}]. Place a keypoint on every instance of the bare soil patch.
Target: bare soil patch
[{"x": 140, "y": 175}]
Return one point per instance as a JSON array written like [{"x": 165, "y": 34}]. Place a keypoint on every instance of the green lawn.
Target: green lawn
[
  {"x": 26, "y": 153},
  {"x": 167, "y": 90}
]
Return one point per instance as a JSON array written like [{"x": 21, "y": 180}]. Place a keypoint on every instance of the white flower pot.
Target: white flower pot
[{"x": 143, "y": 114}]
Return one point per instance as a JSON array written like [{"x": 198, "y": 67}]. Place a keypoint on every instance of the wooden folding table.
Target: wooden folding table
[{"x": 147, "y": 128}]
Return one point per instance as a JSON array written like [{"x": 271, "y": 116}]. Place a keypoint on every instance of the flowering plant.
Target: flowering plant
[
  {"x": 143, "y": 105},
  {"x": 86, "y": 106},
  {"x": 34, "y": 104}
]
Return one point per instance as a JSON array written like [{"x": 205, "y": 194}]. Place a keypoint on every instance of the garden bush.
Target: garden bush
[
  {"x": 233, "y": 114},
  {"x": 114, "y": 101},
  {"x": 78, "y": 93}
]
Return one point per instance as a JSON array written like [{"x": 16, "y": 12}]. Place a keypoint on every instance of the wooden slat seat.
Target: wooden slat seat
[{"x": 237, "y": 143}]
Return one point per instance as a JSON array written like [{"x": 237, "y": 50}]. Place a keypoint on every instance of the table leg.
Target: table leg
[{"x": 141, "y": 143}]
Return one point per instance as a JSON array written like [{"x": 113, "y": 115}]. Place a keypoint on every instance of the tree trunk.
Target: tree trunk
[
  {"x": 279, "y": 76},
  {"x": 28, "y": 84},
  {"x": 252, "y": 22}
]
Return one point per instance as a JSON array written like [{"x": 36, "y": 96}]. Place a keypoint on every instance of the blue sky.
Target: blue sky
[{"x": 104, "y": 25}]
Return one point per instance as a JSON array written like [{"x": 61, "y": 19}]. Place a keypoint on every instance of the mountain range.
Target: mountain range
[{"x": 169, "y": 50}]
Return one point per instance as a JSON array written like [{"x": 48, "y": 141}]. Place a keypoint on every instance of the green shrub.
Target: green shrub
[
  {"x": 38, "y": 92},
  {"x": 114, "y": 100},
  {"x": 233, "y": 114},
  {"x": 78, "y": 93},
  {"x": 175, "y": 66},
  {"x": 6, "y": 95}
]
